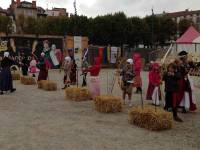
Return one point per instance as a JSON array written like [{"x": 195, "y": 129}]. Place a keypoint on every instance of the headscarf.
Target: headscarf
[
  {"x": 68, "y": 59},
  {"x": 130, "y": 61},
  {"x": 6, "y": 54},
  {"x": 42, "y": 54}
]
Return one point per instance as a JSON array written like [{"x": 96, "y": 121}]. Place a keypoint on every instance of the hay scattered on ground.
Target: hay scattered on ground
[
  {"x": 108, "y": 104},
  {"x": 149, "y": 119},
  {"x": 27, "y": 80},
  {"x": 77, "y": 94}
]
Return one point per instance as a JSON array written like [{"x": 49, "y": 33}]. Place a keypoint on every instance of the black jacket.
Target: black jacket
[{"x": 171, "y": 82}]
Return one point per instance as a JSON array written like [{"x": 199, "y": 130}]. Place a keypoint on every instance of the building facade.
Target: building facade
[
  {"x": 57, "y": 12},
  {"x": 193, "y": 16}
]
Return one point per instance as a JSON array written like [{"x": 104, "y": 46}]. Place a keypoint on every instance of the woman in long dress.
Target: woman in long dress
[
  {"x": 42, "y": 65},
  {"x": 6, "y": 83}
]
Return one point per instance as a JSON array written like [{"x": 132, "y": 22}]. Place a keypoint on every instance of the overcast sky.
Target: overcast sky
[{"x": 130, "y": 7}]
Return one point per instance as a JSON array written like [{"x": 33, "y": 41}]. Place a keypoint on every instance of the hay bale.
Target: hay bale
[
  {"x": 41, "y": 84},
  {"x": 108, "y": 104},
  {"x": 49, "y": 86},
  {"x": 27, "y": 80},
  {"x": 15, "y": 75},
  {"x": 149, "y": 119},
  {"x": 15, "y": 72},
  {"x": 77, "y": 94}
]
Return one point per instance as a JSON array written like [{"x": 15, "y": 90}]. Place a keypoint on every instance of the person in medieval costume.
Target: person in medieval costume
[
  {"x": 171, "y": 78},
  {"x": 67, "y": 70},
  {"x": 137, "y": 70},
  {"x": 33, "y": 66},
  {"x": 24, "y": 64},
  {"x": 186, "y": 97},
  {"x": 153, "y": 91},
  {"x": 84, "y": 67},
  {"x": 128, "y": 75},
  {"x": 53, "y": 56},
  {"x": 43, "y": 66},
  {"x": 94, "y": 77},
  {"x": 6, "y": 83},
  {"x": 73, "y": 72},
  {"x": 46, "y": 51}
]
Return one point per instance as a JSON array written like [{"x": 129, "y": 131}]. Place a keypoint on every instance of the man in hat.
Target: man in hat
[{"x": 185, "y": 96}]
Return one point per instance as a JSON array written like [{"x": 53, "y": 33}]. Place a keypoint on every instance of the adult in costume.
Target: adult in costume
[
  {"x": 127, "y": 80},
  {"x": 73, "y": 72},
  {"x": 94, "y": 77},
  {"x": 185, "y": 94},
  {"x": 153, "y": 91},
  {"x": 43, "y": 74},
  {"x": 171, "y": 78},
  {"x": 6, "y": 83},
  {"x": 53, "y": 56},
  {"x": 137, "y": 70},
  {"x": 67, "y": 70},
  {"x": 84, "y": 67},
  {"x": 46, "y": 51},
  {"x": 24, "y": 64}
]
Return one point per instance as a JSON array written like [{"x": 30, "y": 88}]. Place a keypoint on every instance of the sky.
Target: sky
[{"x": 141, "y": 8}]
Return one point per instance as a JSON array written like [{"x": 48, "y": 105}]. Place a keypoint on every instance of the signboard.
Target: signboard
[
  {"x": 114, "y": 55},
  {"x": 78, "y": 50},
  {"x": 3, "y": 46}
]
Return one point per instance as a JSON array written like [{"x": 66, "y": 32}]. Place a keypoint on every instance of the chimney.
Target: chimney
[
  {"x": 34, "y": 4},
  {"x": 18, "y": 2}
]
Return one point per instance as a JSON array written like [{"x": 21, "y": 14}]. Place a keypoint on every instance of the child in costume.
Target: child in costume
[
  {"x": 33, "y": 66},
  {"x": 137, "y": 70},
  {"x": 154, "y": 92},
  {"x": 94, "y": 77},
  {"x": 127, "y": 80},
  {"x": 171, "y": 78},
  {"x": 67, "y": 70}
]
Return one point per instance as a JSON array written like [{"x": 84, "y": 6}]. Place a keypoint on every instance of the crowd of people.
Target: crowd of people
[
  {"x": 178, "y": 83},
  {"x": 179, "y": 87}
]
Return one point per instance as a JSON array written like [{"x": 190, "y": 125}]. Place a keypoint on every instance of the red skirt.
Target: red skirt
[
  {"x": 150, "y": 92},
  {"x": 137, "y": 82}
]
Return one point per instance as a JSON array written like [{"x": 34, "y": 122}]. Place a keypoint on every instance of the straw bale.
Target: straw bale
[
  {"x": 49, "y": 86},
  {"x": 150, "y": 119},
  {"x": 77, "y": 94},
  {"x": 108, "y": 104},
  {"x": 27, "y": 80}
]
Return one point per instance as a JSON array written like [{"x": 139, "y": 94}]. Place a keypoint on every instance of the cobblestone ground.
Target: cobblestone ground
[{"x": 32, "y": 119}]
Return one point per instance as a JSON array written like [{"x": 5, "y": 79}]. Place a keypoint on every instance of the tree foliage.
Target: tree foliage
[{"x": 115, "y": 29}]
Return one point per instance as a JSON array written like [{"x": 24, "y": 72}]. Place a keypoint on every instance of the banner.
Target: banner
[
  {"x": 113, "y": 56},
  {"x": 3, "y": 46},
  {"x": 78, "y": 50},
  {"x": 101, "y": 49}
]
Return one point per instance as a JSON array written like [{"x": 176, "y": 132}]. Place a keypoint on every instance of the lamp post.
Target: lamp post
[{"x": 152, "y": 29}]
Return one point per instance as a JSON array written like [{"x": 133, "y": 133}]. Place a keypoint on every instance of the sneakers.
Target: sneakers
[
  {"x": 1, "y": 93},
  {"x": 177, "y": 119}
]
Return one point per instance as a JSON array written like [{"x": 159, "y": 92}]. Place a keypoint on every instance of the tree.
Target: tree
[
  {"x": 5, "y": 24},
  {"x": 184, "y": 25}
]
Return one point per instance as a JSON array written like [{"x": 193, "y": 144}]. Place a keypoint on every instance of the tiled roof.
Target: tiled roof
[{"x": 183, "y": 13}]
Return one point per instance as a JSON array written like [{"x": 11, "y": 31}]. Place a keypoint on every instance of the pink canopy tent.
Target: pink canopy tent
[
  {"x": 189, "y": 36},
  {"x": 189, "y": 42}
]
